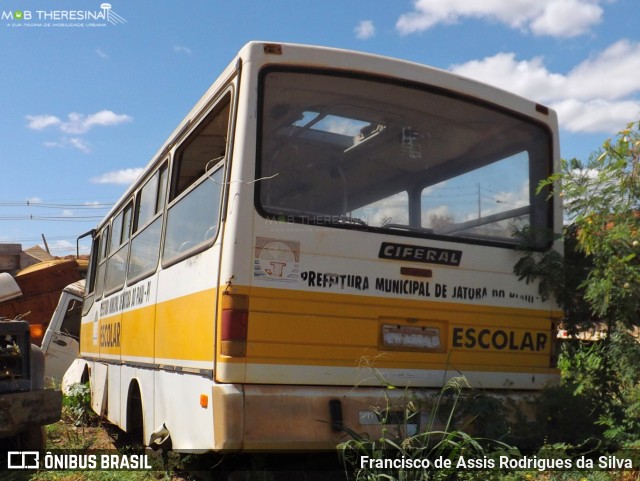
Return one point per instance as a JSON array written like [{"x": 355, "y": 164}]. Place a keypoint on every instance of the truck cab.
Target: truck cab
[
  {"x": 60, "y": 343},
  {"x": 26, "y": 406}
]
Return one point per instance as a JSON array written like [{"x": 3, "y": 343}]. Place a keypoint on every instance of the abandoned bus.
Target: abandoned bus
[{"x": 322, "y": 220}]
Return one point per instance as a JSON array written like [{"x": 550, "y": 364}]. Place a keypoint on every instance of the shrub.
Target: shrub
[
  {"x": 76, "y": 405},
  {"x": 597, "y": 283},
  {"x": 431, "y": 444}
]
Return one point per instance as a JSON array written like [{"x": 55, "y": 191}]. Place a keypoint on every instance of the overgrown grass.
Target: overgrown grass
[
  {"x": 431, "y": 454},
  {"x": 101, "y": 476},
  {"x": 456, "y": 445},
  {"x": 80, "y": 430},
  {"x": 463, "y": 424}
]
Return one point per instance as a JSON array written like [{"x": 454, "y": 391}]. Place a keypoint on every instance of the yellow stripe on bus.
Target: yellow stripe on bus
[
  {"x": 297, "y": 328},
  {"x": 185, "y": 327},
  {"x": 179, "y": 329}
]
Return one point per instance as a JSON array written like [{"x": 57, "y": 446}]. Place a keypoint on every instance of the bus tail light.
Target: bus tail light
[{"x": 234, "y": 325}]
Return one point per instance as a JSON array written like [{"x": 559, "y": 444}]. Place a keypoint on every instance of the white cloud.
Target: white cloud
[
  {"x": 73, "y": 142},
  {"x": 77, "y": 123},
  {"x": 596, "y": 116},
  {"x": 599, "y": 95},
  {"x": 529, "y": 78},
  {"x": 80, "y": 144},
  {"x": 101, "y": 53},
  {"x": 64, "y": 247},
  {"x": 181, "y": 49},
  {"x": 365, "y": 30},
  {"x": 612, "y": 74},
  {"x": 392, "y": 210},
  {"x": 120, "y": 177},
  {"x": 566, "y": 18},
  {"x": 39, "y": 122},
  {"x": 558, "y": 18}
]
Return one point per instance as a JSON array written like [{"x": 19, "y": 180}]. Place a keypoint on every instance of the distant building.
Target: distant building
[
  {"x": 14, "y": 259},
  {"x": 33, "y": 255}
]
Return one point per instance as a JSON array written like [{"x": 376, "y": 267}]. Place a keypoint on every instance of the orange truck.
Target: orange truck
[{"x": 40, "y": 288}]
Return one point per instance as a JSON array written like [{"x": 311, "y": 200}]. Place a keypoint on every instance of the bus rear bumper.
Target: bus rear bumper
[
  {"x": 308, "y": 418},
  {"x": 292, "y": 418},
  {"x": 285, "y": 418}
]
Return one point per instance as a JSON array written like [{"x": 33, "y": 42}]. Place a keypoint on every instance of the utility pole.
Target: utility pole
[{"x": 46, "y": 246}]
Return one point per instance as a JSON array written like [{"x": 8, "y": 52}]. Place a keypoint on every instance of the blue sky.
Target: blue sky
[{"x": 83, "y": 108}]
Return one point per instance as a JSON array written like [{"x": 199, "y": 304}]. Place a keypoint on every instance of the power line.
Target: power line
[
  {"x": 52, "y": 218},
  {"x": 27, "y": 238},
  {"x": 42, "y": 205},
  {"x": 22, "y": 211}
]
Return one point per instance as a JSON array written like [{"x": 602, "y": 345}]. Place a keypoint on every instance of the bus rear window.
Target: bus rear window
[{"x": 345, "y": 151}]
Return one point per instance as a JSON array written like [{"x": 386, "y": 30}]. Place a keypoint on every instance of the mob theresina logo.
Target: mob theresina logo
[{"x": 102, "y": 16}]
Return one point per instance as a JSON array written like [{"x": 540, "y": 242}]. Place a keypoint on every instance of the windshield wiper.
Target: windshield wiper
[{"x": 407, "y": 228}]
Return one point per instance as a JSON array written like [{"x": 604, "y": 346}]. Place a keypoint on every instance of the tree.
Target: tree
[
  {"x": 598, "y": 279},
  {"x": 602, "y": 202}
]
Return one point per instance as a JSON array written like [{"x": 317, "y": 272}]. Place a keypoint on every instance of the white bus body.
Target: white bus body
[{"x": 320, "y": 211}]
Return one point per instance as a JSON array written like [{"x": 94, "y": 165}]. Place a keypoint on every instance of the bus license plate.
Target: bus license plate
[{"x": 400, "y": 336}]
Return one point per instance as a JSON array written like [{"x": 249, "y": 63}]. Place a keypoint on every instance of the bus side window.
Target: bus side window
[
  {"x": 118, "y": 250},
  {"x": 71, "y": 322},
  {"x": 103, "y": 251},
  {"x": 194, "y": 204},
  {"x": 90, "y": 284},
  {"x": 145, "y": 245}
]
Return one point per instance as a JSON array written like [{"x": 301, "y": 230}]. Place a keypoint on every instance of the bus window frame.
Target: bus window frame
[
  {"x": 103, "y": 255},
  {"x": 164, "y": 202},
  {"x": 190, "y": 135},
  {"x": 226, "y": 94},
  {"x": 124, "y": 243},
  {"x": 546, "y": 204},
  {"x": 160, "y": 210},
  {"x": 91, "y": 279},
  {"x": 137, "y": 227},
  {"x": 205, "y": 244}
]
